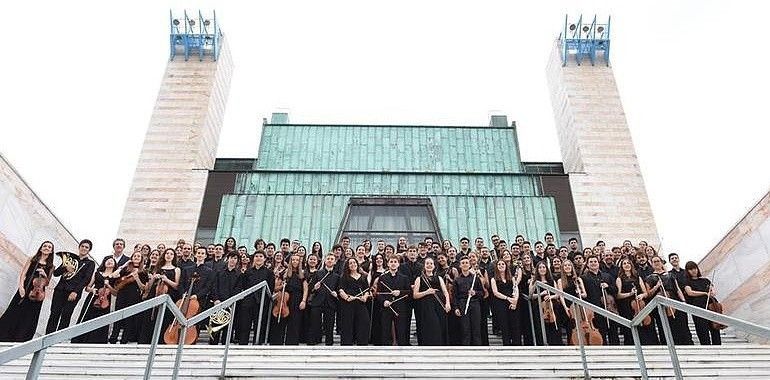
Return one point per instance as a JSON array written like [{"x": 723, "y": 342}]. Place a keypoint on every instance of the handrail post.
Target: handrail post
[
  {"x": 34, "y": 366},
  {"x": 639, "y": 352},
  {"x": 227, "y": 342},
  {"x": 670, "y": 342},
  {"x": 179, "y": 347},
  {"x": 259, "y": 317},
  {"x": 269, "y": 317},
  {"x": 531, "y": 322},
  {"x": 542, "y": 318},
  {"x": 155, "y": 338},
  {"x": 578, "y": 320}
]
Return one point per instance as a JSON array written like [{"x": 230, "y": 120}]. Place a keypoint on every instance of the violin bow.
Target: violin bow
[
  {"x": 665, "y": 294},
  {"x": 550, "y": 301},
  {"x": 391, "y": 292},
  {"x": 604, "y": 300}
]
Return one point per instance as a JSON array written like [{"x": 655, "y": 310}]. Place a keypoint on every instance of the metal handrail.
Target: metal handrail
[
  {"x": 38, "y": 346},
  {"x": 658, "y": 303},
  {"x": 211, "y": 311}
]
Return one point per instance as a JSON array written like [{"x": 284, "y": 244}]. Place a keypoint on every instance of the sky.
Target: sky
[{"x": 79, "y": 82}]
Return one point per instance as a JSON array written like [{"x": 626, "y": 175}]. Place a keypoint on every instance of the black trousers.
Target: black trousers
[
  {"x": 706, "y": 334},
  {"x": 355, "y": 323},
  {"x": 471, "y": 324},
  {"x": 61, "y": 311},
  {"x": 395, "y": 325},
  {"x": 322, "y": 324},
  {"x": 525, "y": 323},
  {"x": 247, "y": 314},
  {"x": 681, "y": 329},
  {"x": 507, "y": 321}
]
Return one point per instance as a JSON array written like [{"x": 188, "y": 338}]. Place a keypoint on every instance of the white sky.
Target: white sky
[{"x": 79, "y": 81}]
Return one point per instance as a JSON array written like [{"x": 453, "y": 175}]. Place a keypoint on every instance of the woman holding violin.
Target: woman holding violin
[
  {"x": 164, "y": 279},
  {"x": 506, "y": 298},
  {"x": 700, "y": 293},
  {"x": 353, "y": 293},
  {"x": 571, "y": 284},
  {"x": 430, "y": 292},
  {"x": 630, "y": 300},
  {"x": 102, "y": 287},
  {"x": 550, "y": 307},
  {"x": 661, "y": 283},
  {"x": 131, "y": 281},
  {"x": 19, "y": 322},
  {"x": 290, "y": 300}
]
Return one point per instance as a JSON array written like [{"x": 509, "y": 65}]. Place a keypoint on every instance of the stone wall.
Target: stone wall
[
  {"x": 25, "y": 222},
  {"x": 180, "y": 147},
  {"x": 739, "y": 266},
  {"x": 607, "y": 186}
]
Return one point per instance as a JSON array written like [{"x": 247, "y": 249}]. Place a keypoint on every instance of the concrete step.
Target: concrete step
[{"x": 71, "y": 361}]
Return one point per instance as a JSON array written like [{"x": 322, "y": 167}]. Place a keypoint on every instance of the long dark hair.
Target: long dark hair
[
  {"x": 346, "y": 269},
  {"x": 48, "y": 261},
  {"x": 506, "y": 275},
  {"x": 548, "y": 275},
  {"x": 692, "y": 265},
  {"x": 622, "y": 272},
  {"x": 320, "y": 252},
  {"x": 162, "y": 260}
]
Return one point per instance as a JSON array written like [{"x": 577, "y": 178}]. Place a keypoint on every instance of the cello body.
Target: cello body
[
  {"x": 189, "y": 307},
  {"x": 716, "y": 307},
  {"x": 591, "y": 335}
]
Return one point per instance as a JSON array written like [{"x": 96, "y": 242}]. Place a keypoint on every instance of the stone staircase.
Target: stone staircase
[{"x": 107, "y": 362}]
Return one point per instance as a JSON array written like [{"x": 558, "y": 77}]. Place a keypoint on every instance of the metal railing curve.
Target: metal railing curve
[{"x": 38, "y": 346}]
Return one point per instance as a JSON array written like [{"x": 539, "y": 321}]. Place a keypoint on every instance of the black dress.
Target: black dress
[
  {"x": 525, "y": 322},
  {"x": 376, "y": 313},
  {"x": 129, "y": 295},
  {"x": 434, "y": 322},
  {"x": 646, "y": 333},
  {"x": 287, "y": 331},
  {"x": 507, "y": 318},
  {"x": 99, "y": 335},
  {"x": 19, "y": 322},
  {"x": 354, "y": 316},
  {"x": 148, "y": 319},
  {"x": 707, "y": 335}
]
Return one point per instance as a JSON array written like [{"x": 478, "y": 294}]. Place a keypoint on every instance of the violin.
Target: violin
[
  {"x": 670, "y": 311},
  {"x": 609, "y": 302},
  {"x": 161, "y": 287},
  {"x": 281, "y": 307},
  {"x": 126, "y": 280},
  {"x": 36, "y": 286},
  {"x": 189, "y": 307},
  {"x": 103, "y": 295},
  {"x": 637, "y": 305},
  {"x": 549, "y": 314},
  {"x": 591, "y": 335},
  {"x": 716, "y": 307}
]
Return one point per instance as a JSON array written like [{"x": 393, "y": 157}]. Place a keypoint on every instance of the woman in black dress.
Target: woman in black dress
[
  {"x": 102, "y": 287},
  {"x": 287, "y": 331},
  {"x": 552, "y": 335},
  {"x": 430, "y": 291},
  {"x": 19, "y": 322},
  {"x": 378, "y": 268},
  {"x": 505, "y": 301},
  {"x": 164, "y": 279},
  {"x": 630, "y": 287},
  {"x": 131, "y": 281},
  {"x": 699, "y": 290},
  {"x": 311, "y": 267},
  {"x": 525, "y": 322},
  {"x": 571, "y": 284},
  {"x": 354, "y": 317}
]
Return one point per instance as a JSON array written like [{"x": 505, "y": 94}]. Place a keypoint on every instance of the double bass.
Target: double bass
[
  {"x": 591, "y": 335},
  {"x": 189, "y": 307}
]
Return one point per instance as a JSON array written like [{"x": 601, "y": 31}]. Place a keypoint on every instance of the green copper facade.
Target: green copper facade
[{"x": 305, "y": 175}]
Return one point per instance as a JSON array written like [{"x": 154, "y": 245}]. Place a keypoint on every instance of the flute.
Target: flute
[{"x": 468, "y": 301}]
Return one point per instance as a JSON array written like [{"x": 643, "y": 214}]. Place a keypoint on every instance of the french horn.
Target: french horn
[
  {"x": 69, "y": 259},
  {"x": 218, "y": 321}
]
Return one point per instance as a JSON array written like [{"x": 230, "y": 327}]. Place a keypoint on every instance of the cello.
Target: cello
[
  {"x": 591, "y": 335},
  {"x": 189, "y": 307}
]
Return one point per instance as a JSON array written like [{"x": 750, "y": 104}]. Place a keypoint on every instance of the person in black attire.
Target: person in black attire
[
  {"x": 324, "y": 303},
  {"x": 663, "y": 284},
  {"x": 608, "y": 265},
  {"x": 354, "y": 316},
  {"x": 678, "y": 273},
  {"x": 411, "y": 269},
  {"x": 630, "y": 287},
  {"x": 225, "y": 286},
  {"x": 167, "y": 273},
  {"x": 219, "y": 261},
  {"x": 699, "y": 290},
  {"x": 598, "y": 284},
  {"x": 468, "y": 286},
  {"x": 552, "y": 335},
  {"x": 430, "y": 291},
  {"x": 70, "y": 287},
  {"x": 19, "y": 322},
  {"x": 101, "y": 282},
  {"x": 131, "y": 282},
  {"x": 186, "y": 260},
  {"x": 247, "y": 309},
  {"x": 199, "y": 289},
  {"x": 392, "y": 287},
  {"x": 643, "y": 267},
  {"x": 505, "y": 294},
  {"x": 294, "y": 286},
  {"x": 679, "y": 277},
  {"x": 525, "y": 322}
]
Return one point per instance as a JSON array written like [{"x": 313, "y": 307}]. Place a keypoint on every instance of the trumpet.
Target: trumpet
[{"x": 218, "y": 321}]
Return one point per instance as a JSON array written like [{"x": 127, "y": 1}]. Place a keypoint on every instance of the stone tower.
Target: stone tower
[
  {"x": 608, "y": 189},
  {"x": 180, "y": 146}
]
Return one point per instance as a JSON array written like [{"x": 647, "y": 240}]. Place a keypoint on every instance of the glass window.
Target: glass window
[{"x": 388, "y": 219}]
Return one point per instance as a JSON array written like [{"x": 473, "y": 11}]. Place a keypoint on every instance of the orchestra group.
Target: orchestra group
[{"x": 370, "y": 293}]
